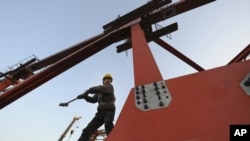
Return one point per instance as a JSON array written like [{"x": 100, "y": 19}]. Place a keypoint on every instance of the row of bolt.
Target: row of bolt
[{"x": 143, "y": 91}]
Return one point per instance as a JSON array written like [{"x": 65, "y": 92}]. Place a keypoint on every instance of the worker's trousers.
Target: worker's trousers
[{"x": 105, "y": 117}]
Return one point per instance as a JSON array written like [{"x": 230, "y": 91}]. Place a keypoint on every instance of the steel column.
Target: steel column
[{"x": 145, "y": 67}]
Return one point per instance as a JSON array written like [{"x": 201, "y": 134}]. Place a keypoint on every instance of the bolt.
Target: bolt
[
  {"x": 161, "y": 104},
  {"x": 143, "y": 91},
  {"x": 137, "y": 88},
  {"x": 155, "y": 83},
  {"x": 247, "y": 82},
  {"x": 156, "y": 88},
  {"x": 158, "y": 93}
]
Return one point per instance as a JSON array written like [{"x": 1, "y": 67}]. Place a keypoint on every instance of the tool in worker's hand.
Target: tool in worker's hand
[{"x": 67, "y": 103}]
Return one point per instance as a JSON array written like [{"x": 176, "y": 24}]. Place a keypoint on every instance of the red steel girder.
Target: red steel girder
[
  {"x": 203, "y": 106},
  {"x": 135, "y": 14},
  {"x": 154, "y": 17},
  {"x": 177, "y": 8},
  {"x": 178, "y": 54},
  {"x": 145, "y": 67},
  {"x": 241, "y": 56},
  {"x": 60, "y": 66},
  {"x": 60, "y": 55},
  {"x": 166, "y": 30},
  {"x": 58, "y": 63}
]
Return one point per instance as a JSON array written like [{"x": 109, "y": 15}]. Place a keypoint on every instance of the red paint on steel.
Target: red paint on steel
[
  {"x": 204, "y": 105},
  {"x": 242, "y": 55},
  {"x": 176, "y": 8},
  {"x": 178, "y": 54},
  {"x": 145, "y": 67},
  {"x": 57, "y": 68},
  {"x": 5, "y": 83}
]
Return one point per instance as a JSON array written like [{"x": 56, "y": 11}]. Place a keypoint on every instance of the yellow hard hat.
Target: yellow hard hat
[{"x": 107, "y": 75}]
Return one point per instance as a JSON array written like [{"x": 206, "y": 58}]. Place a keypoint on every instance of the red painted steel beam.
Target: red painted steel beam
[
  {"x": 57, "y": 68},
  {"x": 59, "y": 55},
  {"x": 202, "y": 109},
  {"x": 166, "y": 30},
  {"x": 177, "y": 8},
  {"x": 145, "y": 67},
  {"x": 178, "y": 54},
  {"x": 163, "y": 31},
  {"x": 241, "y": 56},
  {"x": 135, "y": 14}
]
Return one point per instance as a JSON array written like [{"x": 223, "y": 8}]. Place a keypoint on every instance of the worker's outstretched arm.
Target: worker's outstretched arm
[
  {"x": 103, "y": 89},
  {"x": 85, "y": 96},
  {"x": 93, "y": 99}
]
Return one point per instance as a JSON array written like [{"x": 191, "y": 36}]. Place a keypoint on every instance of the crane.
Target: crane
[{"x": 67, "y": 129}]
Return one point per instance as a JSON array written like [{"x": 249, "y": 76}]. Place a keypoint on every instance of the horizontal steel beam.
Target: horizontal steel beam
[
  {"x": 166, "y": 30},
  {"x": 135, "y": 14},
  {"x": 176, "y": 8},
  {"x": 60, "y": 55},
  {"x": 60, "y": 66}
]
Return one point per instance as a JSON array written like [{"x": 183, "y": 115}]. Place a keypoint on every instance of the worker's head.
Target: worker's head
[{"x": 107, "y": 78}]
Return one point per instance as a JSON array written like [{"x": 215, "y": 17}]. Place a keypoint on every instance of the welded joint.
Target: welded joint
[
  {"x": 152, "y": 96},
  {"x": 245, "y": 84}
]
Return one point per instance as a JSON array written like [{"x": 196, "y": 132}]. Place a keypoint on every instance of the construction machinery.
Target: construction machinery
[
  {"x": 199, "y": 106},
  {"x": 68, "y": 128}
]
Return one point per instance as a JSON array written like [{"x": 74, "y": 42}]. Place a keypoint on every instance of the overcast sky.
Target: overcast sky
[{"x": 210, "y": 35}]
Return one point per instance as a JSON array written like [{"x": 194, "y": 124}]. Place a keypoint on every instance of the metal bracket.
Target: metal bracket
[
  {"x": 152, "y": 96},
  {"x": 245, "y": 84}
]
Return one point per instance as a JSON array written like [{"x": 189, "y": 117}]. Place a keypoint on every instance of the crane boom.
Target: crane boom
[{"x": 67, "y": 129}]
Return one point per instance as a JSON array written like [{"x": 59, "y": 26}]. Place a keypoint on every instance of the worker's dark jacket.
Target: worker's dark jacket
[{"x": 104, "y": 95}]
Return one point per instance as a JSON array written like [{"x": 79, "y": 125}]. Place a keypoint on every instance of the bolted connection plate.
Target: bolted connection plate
[
  {"x": 245, "y": 84},
  {"x": 152, "y": 96}
]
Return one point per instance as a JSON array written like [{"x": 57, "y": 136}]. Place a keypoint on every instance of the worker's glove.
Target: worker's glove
[{"x": 81, "y": 96}]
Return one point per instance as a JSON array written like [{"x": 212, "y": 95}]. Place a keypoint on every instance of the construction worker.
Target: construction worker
[{"x": 104, "y": 95}]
